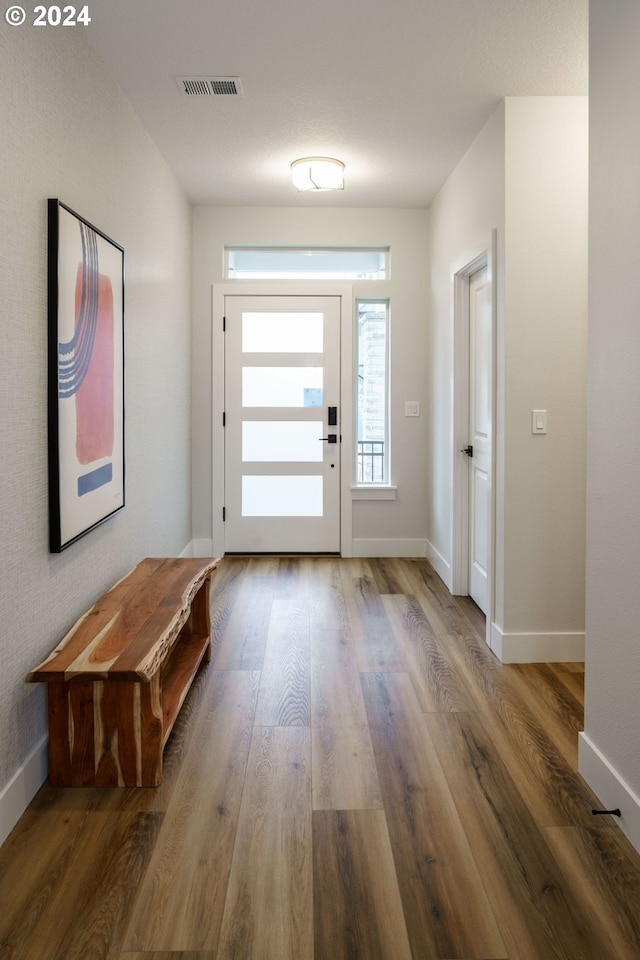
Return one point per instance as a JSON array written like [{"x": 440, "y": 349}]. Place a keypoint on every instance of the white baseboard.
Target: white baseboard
[
  {"x": 610, "y": 788},
  {"x": 441, "y": 566},
  {"x": 389, "y": 548},
  {"x": 537, "y": 647},
  {"x": 22, "y": 788},
  {"x": 361, "y": 548}
]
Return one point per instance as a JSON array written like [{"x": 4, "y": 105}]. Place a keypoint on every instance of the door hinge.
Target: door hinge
[
  {"x": 224, "y": 324},
  {"x": 224, "y": 418},
  {"x": 224, "y": 514}
]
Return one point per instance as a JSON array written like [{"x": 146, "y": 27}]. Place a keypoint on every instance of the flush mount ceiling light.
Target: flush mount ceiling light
[{"x": 317, "y": 173}]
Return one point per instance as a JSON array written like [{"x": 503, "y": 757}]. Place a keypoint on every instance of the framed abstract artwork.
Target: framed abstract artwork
[{"x": 86, "y": 377}]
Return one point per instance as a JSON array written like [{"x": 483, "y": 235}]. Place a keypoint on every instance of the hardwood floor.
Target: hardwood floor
[{"x": 354, "y": 776}]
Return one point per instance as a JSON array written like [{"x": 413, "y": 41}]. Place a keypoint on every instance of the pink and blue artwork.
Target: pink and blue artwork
[{"x": 87, "y": 415}]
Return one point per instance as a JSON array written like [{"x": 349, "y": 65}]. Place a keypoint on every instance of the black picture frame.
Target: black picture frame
[{"x": 85, "y": 376}]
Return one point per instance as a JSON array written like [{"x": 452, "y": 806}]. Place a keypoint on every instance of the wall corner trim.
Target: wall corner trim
[
  {"x": 200, "y": 548},
  {"x": 22, "y": 788},
  {"x": 441, "y": 566},
  {"x": 610, "y": 788},
  {"x": 558, "y": 647}
]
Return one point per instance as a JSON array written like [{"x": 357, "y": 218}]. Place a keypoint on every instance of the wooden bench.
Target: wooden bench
[{"x": 116, "y": 682}]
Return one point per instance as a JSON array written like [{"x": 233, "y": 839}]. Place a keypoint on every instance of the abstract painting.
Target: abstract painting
[{"x": 86, "y": 377}]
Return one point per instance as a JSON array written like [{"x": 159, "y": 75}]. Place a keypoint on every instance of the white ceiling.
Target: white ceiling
[{"x": 396, "y": 89}]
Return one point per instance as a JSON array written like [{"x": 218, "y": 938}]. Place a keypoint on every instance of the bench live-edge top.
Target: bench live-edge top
[{"x": 130, "y": 631}]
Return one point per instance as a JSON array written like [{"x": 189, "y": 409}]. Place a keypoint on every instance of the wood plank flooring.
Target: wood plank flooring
[{"x": 353, "y": 776}]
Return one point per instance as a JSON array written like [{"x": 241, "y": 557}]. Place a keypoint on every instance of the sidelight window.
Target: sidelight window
[{"x": 372, "y": 401}]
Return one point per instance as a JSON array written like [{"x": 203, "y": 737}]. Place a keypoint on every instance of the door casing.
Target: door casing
[
  {"x": 483, "y": 255},
  {"x": 269, "y": 289}
]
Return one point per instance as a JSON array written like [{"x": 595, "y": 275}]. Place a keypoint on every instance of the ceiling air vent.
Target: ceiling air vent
[{"x": 210, "y": 86}]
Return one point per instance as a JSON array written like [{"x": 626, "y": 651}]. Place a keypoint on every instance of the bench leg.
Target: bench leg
[
  {"x": 201, "y": 616},
  {"x": 105, "y": 734}
]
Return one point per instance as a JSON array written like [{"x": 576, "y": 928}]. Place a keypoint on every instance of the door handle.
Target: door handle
[
  {"x": 468, "y": 450},
  {"x": 332, "y": 438}
]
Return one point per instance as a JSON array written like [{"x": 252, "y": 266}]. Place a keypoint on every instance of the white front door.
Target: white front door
[
  {"x": 282, "y": 450},
  {"x": 480, "y": 350}
]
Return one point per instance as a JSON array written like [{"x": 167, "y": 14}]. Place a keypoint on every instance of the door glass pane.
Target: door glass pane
[
  {"x": 282, "y": 496},
  {"x": 282, "y": 332},
  {"x": 281, "y": 386},
  {"x": 278, "y": 441}
]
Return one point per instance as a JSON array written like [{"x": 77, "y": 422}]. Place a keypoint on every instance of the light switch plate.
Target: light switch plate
[
  {"x": 538, "y": 421},
  {"x": 412, "y": 408}
]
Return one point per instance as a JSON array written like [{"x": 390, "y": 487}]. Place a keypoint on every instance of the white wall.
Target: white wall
[
  {"x": 609, "y": 757},
  {"x": 526, "y": 175},
  {"x": 546, "y": 234},
  {"x": 67, "y": 132},
  {"x": 405, "y": 231}
]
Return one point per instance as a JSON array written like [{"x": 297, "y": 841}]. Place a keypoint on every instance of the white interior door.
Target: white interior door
[
  {"x": 479, "y": 450},
  {"x": 282, "y": 453}
]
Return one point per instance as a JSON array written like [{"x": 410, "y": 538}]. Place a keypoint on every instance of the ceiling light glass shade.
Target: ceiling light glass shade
[{"x": 317, "y": 173}]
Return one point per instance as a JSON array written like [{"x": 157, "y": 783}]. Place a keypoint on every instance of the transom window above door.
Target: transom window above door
[{"x": 307, "y": 263}]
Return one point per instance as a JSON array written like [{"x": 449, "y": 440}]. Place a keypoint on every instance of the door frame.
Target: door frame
[
  {"x": 280, "y": 288},
  {"x": 484, "y": 254}
]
